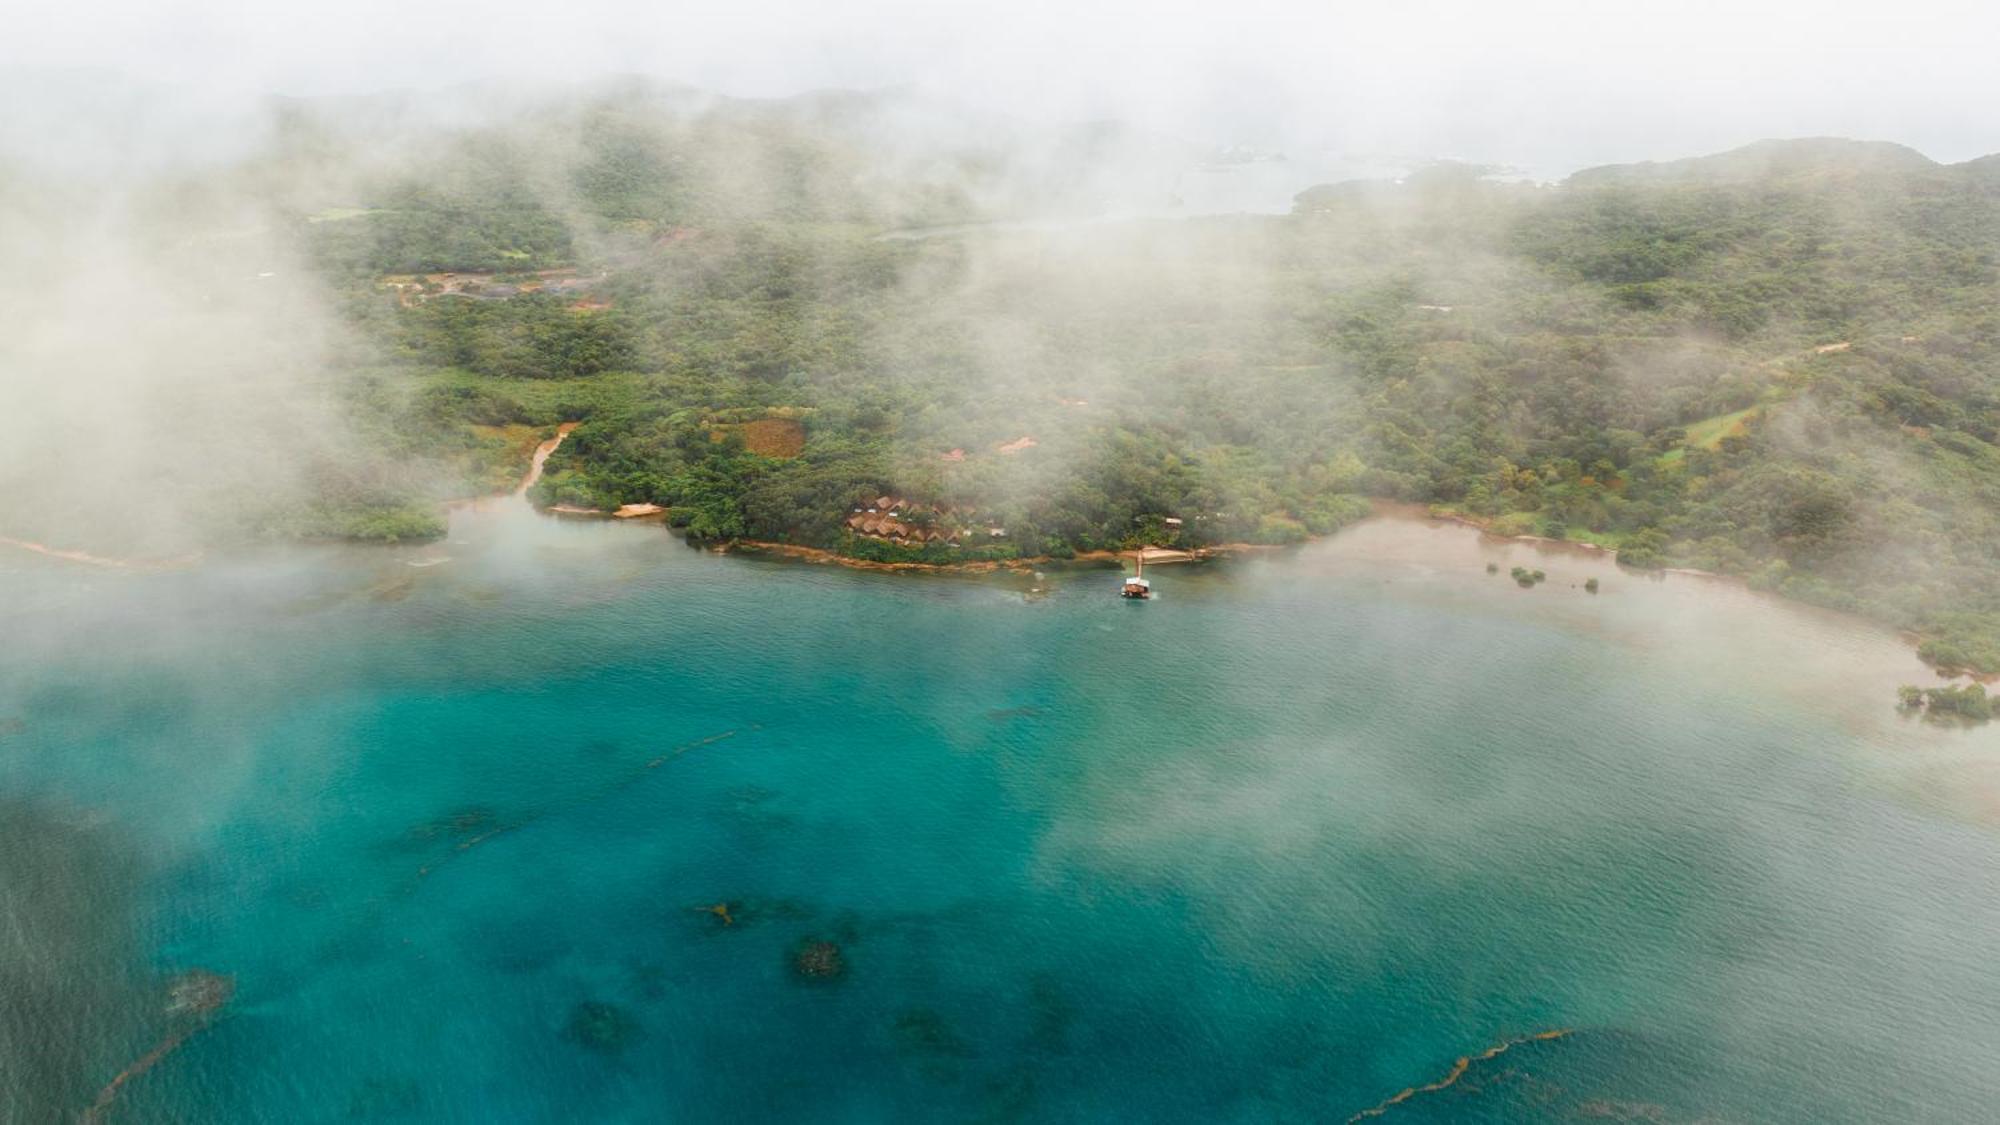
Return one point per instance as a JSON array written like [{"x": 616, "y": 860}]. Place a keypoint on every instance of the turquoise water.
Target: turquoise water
[{"x": 1288, "y": 840}]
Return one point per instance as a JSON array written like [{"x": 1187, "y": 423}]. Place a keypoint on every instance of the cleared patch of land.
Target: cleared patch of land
[
  {"x": 507, "y": 448},
  {"x": 1709, "y": 432},
  {"x": 340, "y": 214},
  {"x": 413, "y": 289},
  {"x": 783, "y": 438},
  {"x": 542, "y": 401}
]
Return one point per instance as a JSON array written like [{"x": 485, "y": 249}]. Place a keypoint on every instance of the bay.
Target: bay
[{"x": 1293, "y": 838}]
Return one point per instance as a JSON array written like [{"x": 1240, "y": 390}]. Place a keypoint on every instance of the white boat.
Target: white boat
[{"x": 1136, "y": 586}]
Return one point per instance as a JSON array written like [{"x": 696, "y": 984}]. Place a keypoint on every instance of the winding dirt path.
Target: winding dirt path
[{"x": 541, "y": 457}]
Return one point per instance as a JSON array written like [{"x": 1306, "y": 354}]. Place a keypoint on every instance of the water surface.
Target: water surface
[{"x": 1286, "y": 841}]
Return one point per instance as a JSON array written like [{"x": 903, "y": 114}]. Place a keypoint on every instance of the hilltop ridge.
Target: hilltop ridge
[{"x": 1772, "y": 159}]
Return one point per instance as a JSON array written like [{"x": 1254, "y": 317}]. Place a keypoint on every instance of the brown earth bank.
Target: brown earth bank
[
  {"x": 1154, "y": 555},
  {"x": 825, "y": 557}
]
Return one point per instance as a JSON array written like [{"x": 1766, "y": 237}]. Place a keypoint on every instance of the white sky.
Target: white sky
[{"x": 1551, "y": 84}]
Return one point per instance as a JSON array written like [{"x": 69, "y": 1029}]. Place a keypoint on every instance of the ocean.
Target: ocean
[{"x": 566, "y": 821}]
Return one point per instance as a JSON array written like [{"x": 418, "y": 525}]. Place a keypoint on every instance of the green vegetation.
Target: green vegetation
[
  {"x": 1708, "y": 433},
  {"x": 390, "y": 521},
  {"x": 1781, "y": 363},
  {"x": 340, "y": 214},
  {"x": 1966, "y": 703}
]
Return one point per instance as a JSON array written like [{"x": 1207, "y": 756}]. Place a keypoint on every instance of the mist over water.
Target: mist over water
[
  {"x": 1286, "y": 841},
  {"x": 544, "y": 820}
]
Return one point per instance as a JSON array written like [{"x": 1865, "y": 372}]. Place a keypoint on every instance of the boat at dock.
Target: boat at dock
[{"x": 1136, "y": 587}]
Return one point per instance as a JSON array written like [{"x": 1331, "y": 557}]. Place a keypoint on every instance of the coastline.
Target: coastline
[
  {"x": 1382, "y": 510},
  {"x": 1911, "y": 638},
  {"x": 822, "y": 556}
]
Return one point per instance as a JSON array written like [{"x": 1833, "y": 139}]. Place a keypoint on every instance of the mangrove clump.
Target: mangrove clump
[{"x": 1968, "y": 703}]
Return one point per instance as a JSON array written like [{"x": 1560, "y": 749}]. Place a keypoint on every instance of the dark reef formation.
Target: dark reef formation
[
  {"x": 818, "y": 960},
  {"x": 606, "y": 1029}
]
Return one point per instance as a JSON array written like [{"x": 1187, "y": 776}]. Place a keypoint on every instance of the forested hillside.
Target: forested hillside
[{"x": 1781, "y": 362}]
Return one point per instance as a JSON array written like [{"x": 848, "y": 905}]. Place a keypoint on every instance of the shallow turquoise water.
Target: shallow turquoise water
[{"x": 1286, "y": 841}]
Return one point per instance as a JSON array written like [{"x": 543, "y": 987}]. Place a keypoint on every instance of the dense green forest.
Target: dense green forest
[{"x": 1781, "y": 362}]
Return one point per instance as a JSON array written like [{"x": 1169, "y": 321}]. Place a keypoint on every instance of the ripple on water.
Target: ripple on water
[{"x": 809, "y": 844}]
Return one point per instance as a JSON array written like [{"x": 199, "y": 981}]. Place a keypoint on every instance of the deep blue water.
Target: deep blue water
[{"x": 1289, "y": 839}]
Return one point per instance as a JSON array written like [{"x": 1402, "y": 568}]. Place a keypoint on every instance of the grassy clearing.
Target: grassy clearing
[
  {"x": 545, "y": 402},
  {"x": 342, "y": 214},
  {"x": 1611, "y": 539},
  {"x": 782, "y": 438},
  {"x": 1709, "y": 432},
  {"x": 509, "y": 449}
]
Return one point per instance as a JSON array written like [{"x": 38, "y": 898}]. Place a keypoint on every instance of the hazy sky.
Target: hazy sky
[{"x": 1547, "y": 83}]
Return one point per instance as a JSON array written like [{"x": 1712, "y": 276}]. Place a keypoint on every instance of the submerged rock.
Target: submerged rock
[
  {"x": 649, "y": 980},
  {"x": 818, "y": 960},
  {"x": 378, "y": 1098},
  {"x": 1010, "y": 1096},
  {"x": 456, "y": 824},
  {"x": 750, "y": 796},
  {"x": 198, "y": 992},
  {"x": 468, "y": 820},
  {"x": 605, "y": 1028},
  {"x": 1051, "y": 1014},
  {"x": 923, "y": 1032}
]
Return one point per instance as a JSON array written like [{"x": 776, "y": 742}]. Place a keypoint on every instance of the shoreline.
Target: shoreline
[
  {"x": 1909, "y": 637},
  {"x": 1382, "y": 510},
  {"x": 1379, "y": 509},
  {"x": 819, "y": 556},
  {"x": 823, "y": 557}
]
